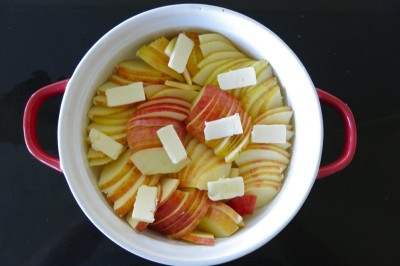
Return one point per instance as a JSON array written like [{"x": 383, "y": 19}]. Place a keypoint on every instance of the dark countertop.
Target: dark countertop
[{"x": 350, "y": 49}]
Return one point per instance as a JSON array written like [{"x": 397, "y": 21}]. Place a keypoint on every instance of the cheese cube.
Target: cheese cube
[
  {"x": 145, "y": 204},
  {"x": 180, "y": 54},
  {"x": 172, "y": 144},
  {"x": 238, "y": 78},
  {"x": 225, "y": 188},
  {"x": 125, "y": 94},
  {"x": 268, "y": 134},
  {"x": 224, "y": 127},
  {"x": 105, "y": 144}
]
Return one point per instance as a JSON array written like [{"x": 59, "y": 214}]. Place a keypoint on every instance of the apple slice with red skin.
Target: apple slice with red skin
[
  {"x": 201, "y": 101},
  {"x": 166, "y": 99},
  {"x": 185, "y": 225},
  {"x": 193, "y": 200},
  {"x": 243, "y": 205},
  {"x": 143, "y": 132},
  {"x": 199, "y": 237},
  {"x": 171, "y": 209},
  {"x": 162, "y": 111}
]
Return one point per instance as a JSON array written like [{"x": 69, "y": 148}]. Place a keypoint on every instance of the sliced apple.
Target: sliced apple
[
  {"x": 144, "y": 79},
  {"x": 115, "y": 170},
  {"x": 243, "y": 205},
  {"x": 187, "y": 95},
  {"x": 236, "y": 217},
  {"x": 218, "y": 223},
  {"x": 210, "y": 47},
  {"x": 168, "y": 186},
  {"x": 181, "y": 85},
  {"x": 158, "y": 60},
  {"x": 125, "y": 203},
  {"x": 172, "y": 100},
  {"x": 265, "y": 193},
  {"x": 271, "y": 99},
  {"x": 107, "y": 85},
  {"x": 171, "y": 209},
  {"x": 139, "y": 68},
  {"x": 220, "y": 55},
  {"x": 204, "y": 72},
  {"x": 156, "y": 161},
  {"x": 210, "y": 37},
  {"x": 199, "y": 237}
]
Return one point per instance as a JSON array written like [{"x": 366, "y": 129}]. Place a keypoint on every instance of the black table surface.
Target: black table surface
[{"x": 350, "y": 49}]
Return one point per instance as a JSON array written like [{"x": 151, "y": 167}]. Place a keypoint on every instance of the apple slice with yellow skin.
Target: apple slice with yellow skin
[
  {"x": 125, "y": 113},
  {"x": 241, "y": 143},
  {"x": 115, "y": 170},
  {"x": 281, "y": 118},
  {"x": 267, "y": 146},
  {"x": 144, "y": 79},
  {"x": 152, "y": 89},
  {"x": 199, "y": 238},
  {"x": 249, "y": 155},
  {"x": 210, "y": 37},
  {"x": 138, "y": 68},
  {"x": 156, "y": 161},
  {"x": 172, "y": 100},
  {"x": 121, "y": 138},
  {"x": 108, "y": 130},
  {"x": 220, "y": 55},
  {"x": 158, "y": 60},
  {"x": 218, "y": 170},
  {"x": 181, "y": 85},
  {"x": 274, "y": 111},
  {"x": 106, "y": 121},
  {"x": 99, "y": 100},
  {"x": 204, "y": 72},
  {"x": 120, "y": 80},
  {"x": 258, "y": 167},
  {"x": 125, "y": 203},
  {"x": 195, "y": 56},
  {"x": 93, "y": 154},
  {"x": 105, "y": 86},
  {"x": 215, "y": 46},
  {"x": 232, "y": 64},
  {"x": 160, "y": 44},
  {"x": 99, "y": 161},
  {"x": 172, "y": 209},
  {"x": 270, "y": 99},
  {"x": 265, "y": 193},
  {"x": 263, "y": 175},
  {"x": 168, "y": 187},
  {"x": 185, "y": 175},
  {"x": 236, "y": 217},
  {"x": 255, "y": 92},
  {"x": 187, "y": 95},
  {"x": 218, "y": 223},
  {"x": 105, "y": 111},
  {"x": 122, "y": 186}
]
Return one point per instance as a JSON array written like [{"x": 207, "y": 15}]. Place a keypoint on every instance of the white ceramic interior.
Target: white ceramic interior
[{"x": 120, "y": 44}]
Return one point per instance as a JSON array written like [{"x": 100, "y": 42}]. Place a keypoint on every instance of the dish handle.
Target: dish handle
[
  {"x": 30, "y": 119},
  {"x": 350, "y": 142}
]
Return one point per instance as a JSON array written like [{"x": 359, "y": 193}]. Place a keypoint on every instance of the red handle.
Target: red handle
[
  {"x": 350, "y": 142},
  {"x": 30, "y": 118}
]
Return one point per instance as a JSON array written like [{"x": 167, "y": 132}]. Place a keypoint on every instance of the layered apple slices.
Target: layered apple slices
[{"x": 190, "y": 137}]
